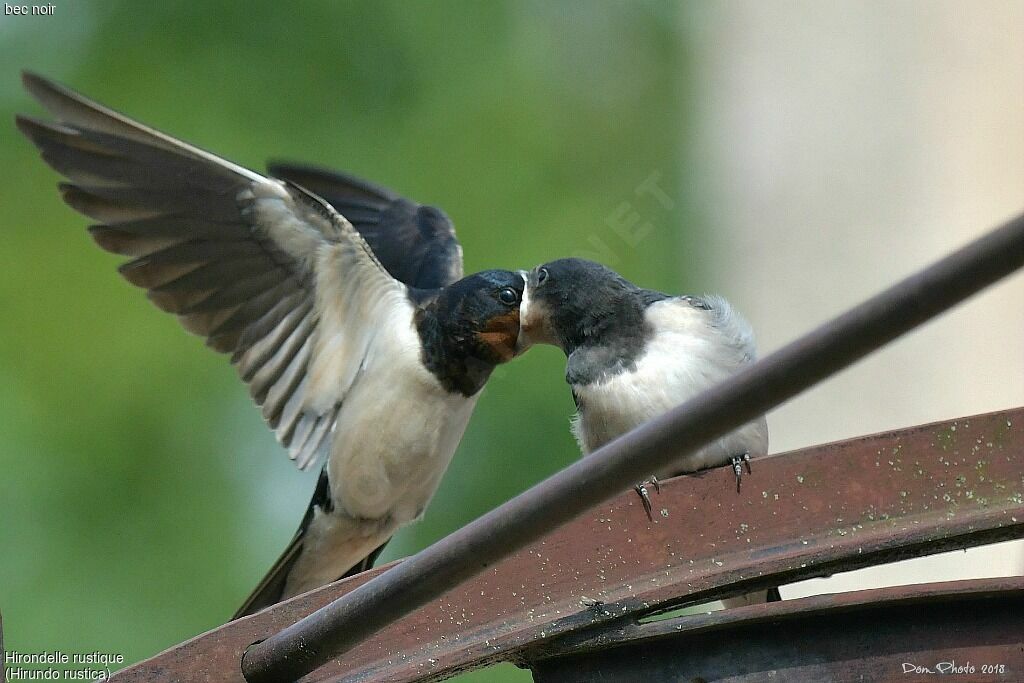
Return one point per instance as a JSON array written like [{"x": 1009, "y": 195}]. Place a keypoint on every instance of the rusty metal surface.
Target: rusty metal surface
[
  {"x": 802, "y": 514},
  {"x": 966, "y": 630}
]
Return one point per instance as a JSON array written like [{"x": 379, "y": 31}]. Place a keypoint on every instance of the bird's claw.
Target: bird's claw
[
  {"x": 641, "y": 489},
  {"x": 738, "y": 461}
]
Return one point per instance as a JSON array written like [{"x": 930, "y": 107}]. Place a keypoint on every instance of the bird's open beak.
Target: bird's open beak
[{"x": 533, "y": 318}]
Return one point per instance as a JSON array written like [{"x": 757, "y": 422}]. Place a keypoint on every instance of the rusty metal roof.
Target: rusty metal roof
[{"x": 806, "y": 513}]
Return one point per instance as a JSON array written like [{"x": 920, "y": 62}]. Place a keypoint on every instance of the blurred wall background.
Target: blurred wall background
[
  {"x": 842, "y": 146},
  {"x": 811, "y": 153}
]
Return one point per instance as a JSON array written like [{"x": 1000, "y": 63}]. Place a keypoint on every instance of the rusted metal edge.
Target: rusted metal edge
[
  {"x": 805, "y": 513},
  {"x": 629, "y": 630},
  {"x": 971, "y": 630}
]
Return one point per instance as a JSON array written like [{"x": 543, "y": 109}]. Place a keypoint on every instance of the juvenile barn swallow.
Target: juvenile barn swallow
[
  {"x": 342, "y": 305},
  {"x": 635, "y": 353}
]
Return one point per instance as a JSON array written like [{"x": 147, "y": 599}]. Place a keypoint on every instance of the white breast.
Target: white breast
[
  {"x": 395, "y": 435},
  {"x": 689, "y": 351}
]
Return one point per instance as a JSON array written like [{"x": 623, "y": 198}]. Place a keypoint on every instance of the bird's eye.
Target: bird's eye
[
  {"x": 542, "y": 275},
  {"x": 508, "y": 296}
]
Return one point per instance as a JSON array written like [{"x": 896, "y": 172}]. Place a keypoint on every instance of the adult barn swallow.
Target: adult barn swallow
[
  {"x": 376, "y": 372},
  {"x": 635, "y": 353}
]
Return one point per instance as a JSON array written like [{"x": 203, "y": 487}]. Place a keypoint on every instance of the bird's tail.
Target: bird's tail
[{"x": 271, "y": 589}]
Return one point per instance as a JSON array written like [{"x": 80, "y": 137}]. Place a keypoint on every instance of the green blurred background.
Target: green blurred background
[{"x": 141, "y": 495}]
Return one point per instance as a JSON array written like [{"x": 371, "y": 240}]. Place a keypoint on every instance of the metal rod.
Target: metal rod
[{"x": 338, "y": 627}]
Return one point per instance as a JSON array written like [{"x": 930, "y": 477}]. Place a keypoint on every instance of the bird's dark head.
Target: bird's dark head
[
  {"x": 571, "y": 300},
  {"x": 480, "y": 314}
]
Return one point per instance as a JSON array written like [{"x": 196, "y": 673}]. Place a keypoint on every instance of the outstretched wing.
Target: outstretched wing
[
  {"x": 415, "y": 243},
  {"x": 263, "y": 269}
]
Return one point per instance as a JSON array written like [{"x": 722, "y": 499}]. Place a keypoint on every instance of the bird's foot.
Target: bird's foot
[
  {"x": 738, "y": 461},
  {"x": 641, "y": 489}
]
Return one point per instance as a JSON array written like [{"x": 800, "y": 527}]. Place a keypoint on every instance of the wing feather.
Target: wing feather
[
  {"x": 415, "y": 243},
  {"x": 263, "y": 269}
]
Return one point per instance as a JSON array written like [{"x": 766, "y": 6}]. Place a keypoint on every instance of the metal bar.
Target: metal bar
[
  {"x": 336, "y": 628},
  {"x": 969, "y": 630},
  {"x": 812, "y": 512}
]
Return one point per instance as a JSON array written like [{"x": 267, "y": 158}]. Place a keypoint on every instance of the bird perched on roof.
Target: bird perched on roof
[
  {"x": 634, "y": 353},
  {"x": 342, "y": 305}
]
